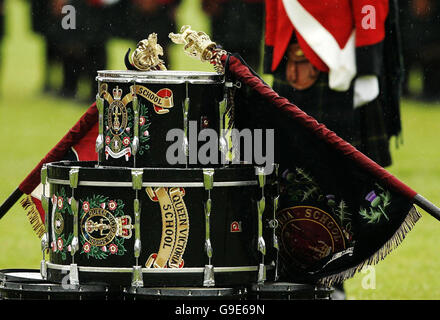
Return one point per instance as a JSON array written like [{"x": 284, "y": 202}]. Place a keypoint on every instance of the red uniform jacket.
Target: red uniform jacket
[{"x": 327, "y": 31}]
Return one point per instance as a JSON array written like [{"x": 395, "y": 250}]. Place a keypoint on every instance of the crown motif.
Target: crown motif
[
  {"x": 117, "y": 93},
  {"x": 124, "y": 227}
]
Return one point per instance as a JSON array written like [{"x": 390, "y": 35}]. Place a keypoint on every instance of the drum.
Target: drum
[
  {"x": 289, "y": 291},
  {"x": 154, "y": 118},
  {"x": 27, "y": 284},
  {"x": 196, "y": 227},
  {"x": 185, "y": 293}
]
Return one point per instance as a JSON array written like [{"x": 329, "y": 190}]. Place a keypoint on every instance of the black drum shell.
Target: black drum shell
[
  {"x": 204, "y": 91},
  {"x": 233, "y": 197}
]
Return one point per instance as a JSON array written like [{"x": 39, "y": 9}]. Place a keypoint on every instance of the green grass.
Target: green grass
[{"x": 31, "y": 123}]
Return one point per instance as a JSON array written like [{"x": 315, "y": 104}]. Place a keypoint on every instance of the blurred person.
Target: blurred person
[
  {"x": 147, "y": 16},
  {"x": 44, "y": 21},
  {"x": 340, "y": 62},
  {"x": 84, "y": 46},
  {"x": 237, "y": 25},
  {"x": 420, "y": 20}
]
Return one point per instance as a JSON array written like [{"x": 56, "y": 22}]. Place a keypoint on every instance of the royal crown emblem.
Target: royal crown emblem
[{"x": 117, "y": 93}]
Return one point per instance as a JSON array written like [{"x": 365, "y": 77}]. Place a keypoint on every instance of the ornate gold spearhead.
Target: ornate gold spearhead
[
  {"x": 146, "y": 55},
  {"x": 197, "y": 44}
]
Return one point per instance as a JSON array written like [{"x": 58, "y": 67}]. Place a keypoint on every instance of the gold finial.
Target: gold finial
[
  {"x": 146, "y": 55},
  {"x": 197, "y": 44}
]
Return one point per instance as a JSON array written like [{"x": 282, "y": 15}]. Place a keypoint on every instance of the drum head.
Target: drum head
[
  {"x": 165, "y": 77},
  {"x": 22, "y": 284},
  {"x": 21, "y": 275}
]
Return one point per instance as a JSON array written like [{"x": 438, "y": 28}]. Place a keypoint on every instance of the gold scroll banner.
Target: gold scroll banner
[
  {"x": 160, "y": 102},
  {"x": 175, "y": 228},
  {"x": 155, "y": 98}
]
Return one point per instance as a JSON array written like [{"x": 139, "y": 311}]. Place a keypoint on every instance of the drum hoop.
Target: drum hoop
[
  {"x": 187, "y": 291},
  {"x": 154, "y": 184},
  {"x": 200, "y": 270},
  {"x": 8, "y": 275},
  {"x": 53, "y": 288},
  {"x": 165, "y": 77}
]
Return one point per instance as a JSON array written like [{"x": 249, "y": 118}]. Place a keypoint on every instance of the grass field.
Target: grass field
[{"x": 31, "y": 123}]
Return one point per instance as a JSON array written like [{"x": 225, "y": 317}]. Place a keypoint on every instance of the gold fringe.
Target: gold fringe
[
  {"x": 407, "y": 225},
  {"x": 33, "y": 216}
]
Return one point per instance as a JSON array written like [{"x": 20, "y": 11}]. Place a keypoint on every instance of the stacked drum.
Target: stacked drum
[{"x": 150, "y": 219}]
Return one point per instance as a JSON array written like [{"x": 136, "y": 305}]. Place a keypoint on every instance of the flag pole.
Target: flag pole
[
  {"x": 428, "y": 206},
  {"x": 10, "y": 201}
]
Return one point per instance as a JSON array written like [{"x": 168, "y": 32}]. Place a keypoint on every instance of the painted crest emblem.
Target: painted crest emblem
[
  {"x": 104, "y": 227},
  {"x": 309, "y": 234}
]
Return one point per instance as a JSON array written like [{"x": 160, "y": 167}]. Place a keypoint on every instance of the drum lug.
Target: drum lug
[
  {"x": 43, "y": 269},
  {"x": 74, "y": 274},
  {"x": 208, "y": 276},
  {"x": 136, "y": 176},
  {"x": 261, "y": 273},
  {"x": 208, "y": 178},
  {"x": 73, "y": 177},
  {"x": 137, "y": 280}
]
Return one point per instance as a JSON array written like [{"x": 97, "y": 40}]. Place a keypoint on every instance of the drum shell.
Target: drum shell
[
  {"x": 233, "y": 225},
  {"x": 198, "y": 93}
]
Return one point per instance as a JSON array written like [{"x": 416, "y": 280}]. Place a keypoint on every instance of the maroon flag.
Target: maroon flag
[{"x": 338, "y": 209}]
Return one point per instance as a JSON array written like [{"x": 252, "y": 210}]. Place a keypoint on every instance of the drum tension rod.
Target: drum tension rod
[
  {"x": 99, "y": 145},
  {"x": 261, "y": 204},
  {"x": 73, "y": 178},
  {"x": 137, "y": 279},
  {"x": 45, "y": 238},
  {"x": 135, "y": 102},
  {"x": 208, "y": 182},
  {"x": 274, "y": 222}
]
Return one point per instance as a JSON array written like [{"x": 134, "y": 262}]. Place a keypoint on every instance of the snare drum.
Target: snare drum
[
  {"x": 27, "y": 284},
  {"x": 289, "y": 291},
  {"x": 138, "y": 109},
  {"x": 197, "y": 227}
]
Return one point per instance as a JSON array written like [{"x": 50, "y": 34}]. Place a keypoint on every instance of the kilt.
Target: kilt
[{"x": 363, "y": 127}]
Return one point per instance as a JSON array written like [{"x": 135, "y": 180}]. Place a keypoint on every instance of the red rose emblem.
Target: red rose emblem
[{"x": 113, "y": 248}]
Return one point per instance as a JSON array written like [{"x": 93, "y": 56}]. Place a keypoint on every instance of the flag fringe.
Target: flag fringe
[
  {"x": 33, "y": 216},
  {"x": 411, "y": 219}
]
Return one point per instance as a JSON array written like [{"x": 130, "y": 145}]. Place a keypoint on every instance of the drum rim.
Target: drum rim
[
  {"x": 236, "y": 176},
  {"x": 166, "y": 77},
  {"x": 190, "y": 291},
  {"x": 189, "y": 270},
  {"x": 287, "y": 287},
  {"x": 4, "y": 277}
]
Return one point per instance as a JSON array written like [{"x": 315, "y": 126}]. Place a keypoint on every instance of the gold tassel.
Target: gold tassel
[
  {"x": 33, "y": 216},
  {"x": 407, "y": 225}
]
